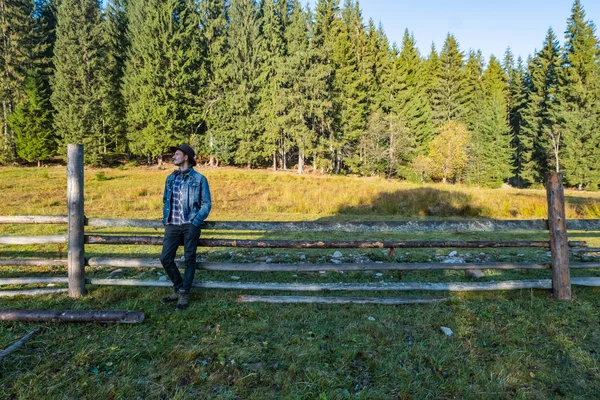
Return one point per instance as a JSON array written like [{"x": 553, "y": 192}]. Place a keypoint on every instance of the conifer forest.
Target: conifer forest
[{"x": 278, "y": 84}]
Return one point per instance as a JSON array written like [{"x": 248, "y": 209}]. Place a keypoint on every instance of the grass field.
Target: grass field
[{"x": 519, "y": 344}]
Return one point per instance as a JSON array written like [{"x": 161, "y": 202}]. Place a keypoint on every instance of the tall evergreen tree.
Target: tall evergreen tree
[
  {"x": 490, "y": 156},
  {"x": 32, "y": 122},
  {"x": 163, "y": 75},
  {"x": 540, "y": 117},
  {"x": 580, "y": 105},
  {"x": 79, "y": 62},
  {"x": 474, "y": 93},
  {"x": 412, "y": 104},
  {"x": 517, "y": 92},
  {"x": 16, "y": 29},
  {"x": 271, "y": 109},
  {"x": 242, "y": 73},
  {"x": 213, "y": 45},
  {"x": 116, "y": 46},
  {"x": 449, "y": 95}
]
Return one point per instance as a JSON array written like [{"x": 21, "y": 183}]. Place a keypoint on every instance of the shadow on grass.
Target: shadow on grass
[{"x": 421, "y": 202}]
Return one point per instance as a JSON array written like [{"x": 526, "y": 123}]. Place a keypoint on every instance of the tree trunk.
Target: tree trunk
[
  {"x": 275, "y": 160},
  {"x": 300, "y": 162}
]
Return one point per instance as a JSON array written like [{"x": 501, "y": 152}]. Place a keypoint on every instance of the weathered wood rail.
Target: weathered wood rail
[{"x": 77, "y": 239}]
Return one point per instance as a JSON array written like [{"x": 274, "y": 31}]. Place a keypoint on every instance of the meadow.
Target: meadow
[{"x": 518, "y": 344}]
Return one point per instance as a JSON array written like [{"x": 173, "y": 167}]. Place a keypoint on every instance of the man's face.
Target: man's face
[{"x": 179, "y": 158}]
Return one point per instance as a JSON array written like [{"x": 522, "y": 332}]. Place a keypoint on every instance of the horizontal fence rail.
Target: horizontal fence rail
[{"x": 321, "y": 244}]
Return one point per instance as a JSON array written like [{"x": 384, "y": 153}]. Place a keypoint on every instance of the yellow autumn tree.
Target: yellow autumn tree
[{"x": 448, "y": 151}]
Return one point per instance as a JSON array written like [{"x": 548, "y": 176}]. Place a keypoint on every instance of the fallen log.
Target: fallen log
[
  {"x": 341, "y": 300},
  {"x": 123, "y": 317},
  {"x": 32, "y": 292},
  {"x": 19, "y": 343}
]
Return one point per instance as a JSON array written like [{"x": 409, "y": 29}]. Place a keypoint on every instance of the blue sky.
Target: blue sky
[{"x": 488, "y": 25}]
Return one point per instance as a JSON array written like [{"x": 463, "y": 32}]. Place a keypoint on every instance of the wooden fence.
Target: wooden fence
[{"x": 76, "y": 239}]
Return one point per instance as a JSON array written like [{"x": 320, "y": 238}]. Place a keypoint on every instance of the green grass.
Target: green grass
[{"x": 519, "y": 344}]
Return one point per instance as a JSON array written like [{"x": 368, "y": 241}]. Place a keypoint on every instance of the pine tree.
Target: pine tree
[
  {"x": 16, "y": 41},
  {"x": 580, "y": 102},
  {"x": 79, "y": 63},
  {"x": 412, "y": 104},
  {"x": 474, "y": 93},
  {"x": 116, "y": 46},
  {"x": 540, "y": 117},
  {"x": 296, "y": 92},
  {"x": 516, "y": 105},
  {"x": 490, "y": 156},
  {"x": 32, "y": 122},
  {"x": 449, "y": 95},
  {"x": 349, "y": 92},
  {"x": 242, "y": 74},
  {"x": 214, "y": 48},
  {"x": 163, "y": 76},
  {"x": 271, "y": 108}
]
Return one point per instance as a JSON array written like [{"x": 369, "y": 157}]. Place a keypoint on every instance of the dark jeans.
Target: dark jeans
[{"x": 175, "y": 235}]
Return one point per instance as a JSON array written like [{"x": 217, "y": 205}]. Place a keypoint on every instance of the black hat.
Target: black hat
[{"x": 187, "y": 150}]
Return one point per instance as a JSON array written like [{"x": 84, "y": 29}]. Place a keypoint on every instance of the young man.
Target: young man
[{"x": 187, "y": 203}]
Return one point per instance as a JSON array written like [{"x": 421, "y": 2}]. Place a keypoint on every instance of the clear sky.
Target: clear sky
[{"x": 488, "y": 25}]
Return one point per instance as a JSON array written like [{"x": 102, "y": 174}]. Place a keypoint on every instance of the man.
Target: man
[{"x": 187, "y": 203}]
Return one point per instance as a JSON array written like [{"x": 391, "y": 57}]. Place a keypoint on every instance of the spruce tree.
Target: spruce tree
[
  {"x": 541, "y": 115},
  {"x": 580, "y": 102},
  {"x": 32, "y": 122},
  {"x": 79, "y": 62},
  {"x": 412, "y": 104},
  {"x": 242, "y": 72},
  {"x": 474, "y": 93},
  {"x": 163, "y": 75},
  {"x": 271, "y": 109},
  {"x": 516, "y": 104},
  {"x": 16, "y": 48},
  {"x": 449, "y": 96},
  {"x": 490, "y": 155}
]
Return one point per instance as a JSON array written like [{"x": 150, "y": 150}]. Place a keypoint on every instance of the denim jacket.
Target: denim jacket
[{"x": 195, "y": 197}]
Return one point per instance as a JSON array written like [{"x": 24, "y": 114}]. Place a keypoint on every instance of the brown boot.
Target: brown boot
[
  {"x": 170, "y": 298},
  {"x": 184, "y": 301}
]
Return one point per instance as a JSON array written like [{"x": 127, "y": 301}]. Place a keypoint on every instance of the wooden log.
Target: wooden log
[
  {"x": 34, "y": 219},
  {"x": 319, "y": 244},
  {"x": 586, "y": 250},
  {"x": 19, "y": 343},
  {"x": 317, "y": 287},
  {"x": 32, "y": 280},
  {"x": 586, "y": 281},
  {"x": 50, "y": 239},
  {"x": 32, "y": 292},
  {"x": 38, "y": 262},
  {"x": 123, "y": 317},
  {"x": 559, "y": 245},
  {"x": 483, "y": 225},
  {"x": 340, "y": 300},
  {"x": 268, "y": 267},
  {"x": 584, "y": 265},
  {"x": 75, "y": 208}
]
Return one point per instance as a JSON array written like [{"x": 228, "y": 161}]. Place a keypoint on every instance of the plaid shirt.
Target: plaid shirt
[{"x": 176, "y": 217}]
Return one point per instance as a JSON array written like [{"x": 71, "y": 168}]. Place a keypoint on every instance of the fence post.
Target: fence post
[
  {"x": 76, "y": 220},
  {"x": 559, "y": 246}
]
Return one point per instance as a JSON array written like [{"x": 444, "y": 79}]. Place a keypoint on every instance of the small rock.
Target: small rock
[
  {"x": 269, "y": 260},
  {"x": 453, "y": 253},
  {"x": 302, "y": 257},
  {"x": 474, "y": 273},
  {"x": 322, "y": 272},
  {"x": 453, "y": 260},
  {"x": 336, "y": 261},
  {"x": 294, "y": 276},
  {"x": 337, "y": 254},
  {"x": 446, "y": 330},
  {"x": 378, "y": 262},
  {"x": 379, "y": 274},
  {"x": 371, "y": 318},
  {"x": 163, "y": 278},
  {"x": 235, "y": 278},
  {"x": 520, "y": 255},
  {"x": 51, "y": 285},
  {"x": 115, "y": 273}
]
